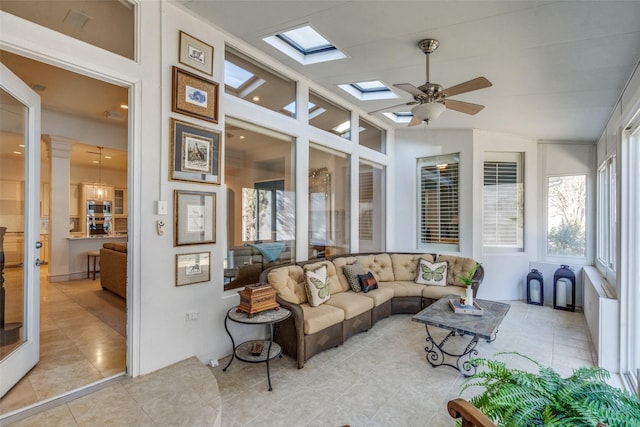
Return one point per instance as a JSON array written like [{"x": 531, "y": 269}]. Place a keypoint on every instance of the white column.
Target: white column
[{"x": 59, "y": 149}]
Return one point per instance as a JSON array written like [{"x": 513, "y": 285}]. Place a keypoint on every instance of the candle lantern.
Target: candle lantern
[
  {"x": 564, "y": 289},
  {"x": 535, "y": 288}
]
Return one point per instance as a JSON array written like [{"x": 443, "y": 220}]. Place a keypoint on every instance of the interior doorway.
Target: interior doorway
[{"x": 83, "y": 327}]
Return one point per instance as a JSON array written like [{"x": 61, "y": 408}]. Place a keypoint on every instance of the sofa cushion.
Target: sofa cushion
[
  {"x": 116, "y": 246},
  {"x": 437, "y": 292},
  {"x": 431, "y": 273},
  {"x": 351, "y": 272},
  {"x": 288, "y": 281},
  {"x": 380, "y": 295},
  {"x": 316, "y": 283},
  {"x": 367, "y": 282},
  {"x": 403, "y": 288},
  {"x": 379, "y": 264},
  {"x": 351, "y": 303},
  {"x": 457, "y": 266},
  {"x": 405, "y": 266},
  {"x": 321, "y": 317},
  {"x": 334, "y": 283}
]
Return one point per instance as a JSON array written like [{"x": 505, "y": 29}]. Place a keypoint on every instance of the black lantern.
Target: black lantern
[
  {"x": 564, "y": 289},
  {"x": 535, "y": 288}
]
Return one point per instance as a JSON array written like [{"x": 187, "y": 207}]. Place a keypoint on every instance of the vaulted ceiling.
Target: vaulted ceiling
[{"x": 557, "y": 67}]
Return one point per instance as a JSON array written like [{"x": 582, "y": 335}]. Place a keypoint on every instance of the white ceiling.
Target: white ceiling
[{"x": 557, "y": 67}]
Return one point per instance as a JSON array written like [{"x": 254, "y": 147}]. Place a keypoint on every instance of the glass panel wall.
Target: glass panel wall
[
  {"x": 372, "y": 137},
  {"x": 566, "y": 220},
  {"x": 260, "y": 180},
  {"x": 252, "y": 82},
  {"x": 328, "y": 116},
  {"x": 329, "y": 193},
  {"x": 371, "y": 214}
]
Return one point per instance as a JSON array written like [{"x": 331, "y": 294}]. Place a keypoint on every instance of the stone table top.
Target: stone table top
[
  {"x": 263, "y": 317},
  {"x": 441, "y": 315}
]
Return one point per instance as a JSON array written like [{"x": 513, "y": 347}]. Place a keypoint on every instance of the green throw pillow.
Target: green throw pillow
[{"x": 431, "y": 273}]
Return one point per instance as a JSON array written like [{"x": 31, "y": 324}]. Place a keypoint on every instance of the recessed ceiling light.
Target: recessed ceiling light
[
  {"x": 256, "y": 99},
  {"x": 124, "y": 106},
  {"x": 21, "y": 145},
  {"x": 305, "y": 45},
  {"x": 107, "y": 157},
  {"x": 17, "y": 152},
  {"x": 94, "y": 161},
  {"x": 241, "y": 136}
]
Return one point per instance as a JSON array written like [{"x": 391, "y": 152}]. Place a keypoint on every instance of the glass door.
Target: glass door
[{"x": 19, "y": 229}]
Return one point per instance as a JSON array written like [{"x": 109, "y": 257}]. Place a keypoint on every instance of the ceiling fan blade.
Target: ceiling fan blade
[
  {"x": 415, "y": 121},
  {"x": 463, "y": 107},
  {"x": 393, "y": 106},
  {"x": 475, "y": 84},
  {"x": 408, "y": 87}
]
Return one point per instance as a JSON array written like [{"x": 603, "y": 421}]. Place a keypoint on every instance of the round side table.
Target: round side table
[{"x": 256, "y": 351}]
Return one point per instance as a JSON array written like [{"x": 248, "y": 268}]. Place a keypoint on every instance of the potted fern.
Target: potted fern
[{"x": 518, "y": 398}]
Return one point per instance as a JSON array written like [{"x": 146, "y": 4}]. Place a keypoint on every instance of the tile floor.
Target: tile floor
[
  {"x": 82, "y": 340},
  {"x": 377, "y": 378}
]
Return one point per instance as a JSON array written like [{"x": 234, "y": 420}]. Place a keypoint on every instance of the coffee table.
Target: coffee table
[{"x": 440, "y": 315}]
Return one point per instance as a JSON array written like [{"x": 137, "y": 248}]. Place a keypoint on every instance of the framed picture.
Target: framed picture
[
  {"x": 195, "y": 53},
  {"x": 193, "y": 268},
  {"x": 194, "y": 96},
  {"x": 195, "y": 153},
  {"x": 195, "y": 216}
]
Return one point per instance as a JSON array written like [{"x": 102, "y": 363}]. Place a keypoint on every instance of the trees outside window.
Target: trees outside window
[{"x": 566, "y": 215}]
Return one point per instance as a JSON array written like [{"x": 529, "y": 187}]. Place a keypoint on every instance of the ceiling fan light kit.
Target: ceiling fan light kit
[{"x": 431, "y": 99}]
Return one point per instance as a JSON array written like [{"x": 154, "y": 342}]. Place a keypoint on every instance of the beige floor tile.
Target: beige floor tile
[{"x": 56, "y": 417}]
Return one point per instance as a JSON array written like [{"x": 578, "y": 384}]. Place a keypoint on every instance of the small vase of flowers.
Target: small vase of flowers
[{"x": 467, "y": 279}]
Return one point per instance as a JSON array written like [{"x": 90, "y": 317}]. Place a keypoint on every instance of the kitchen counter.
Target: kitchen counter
[{"x": 115, "y": 236}]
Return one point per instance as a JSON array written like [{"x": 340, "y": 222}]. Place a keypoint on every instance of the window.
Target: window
[
  {"x": 305, "y": 45},
  {"x": 438, "y": 186},
  {"x": 260, "y": 183},
  {"x": 606, "y": 231},
  {"x": 370, "y": 90},
  {"x": 252, "y": 82},
  {"x": 372, "y": 136},
  {"x": 329, "y": 117},
  {"x": 566, "y": 215},
  {"x": 329, "y": 207},
  {"x": 371, "y": 207},
  {"x": 503, "y": 203}
]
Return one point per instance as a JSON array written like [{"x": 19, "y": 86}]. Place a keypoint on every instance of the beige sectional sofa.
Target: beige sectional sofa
[{"x": 312, "y": 329}]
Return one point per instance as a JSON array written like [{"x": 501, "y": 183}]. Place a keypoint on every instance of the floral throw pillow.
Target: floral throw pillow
[
  {"x": 431, "y": 273},
  {"x": 316, "y": 284}
]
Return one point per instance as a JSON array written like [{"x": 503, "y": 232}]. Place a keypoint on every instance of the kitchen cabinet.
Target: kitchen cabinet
[
  {"x": 74, "y": 199},
  {"x": 120, "y": 203},
  {"x": 13, "y": 249},
  {"x": 45, "y": 198},
  {"x": 97, "y": 192},
  {"x": 44, "y": 250}
]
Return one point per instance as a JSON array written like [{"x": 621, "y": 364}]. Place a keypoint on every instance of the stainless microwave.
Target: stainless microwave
[{"x": 98, "y": 208}]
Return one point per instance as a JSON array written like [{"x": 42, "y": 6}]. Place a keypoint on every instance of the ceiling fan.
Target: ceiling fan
[{"x": 431, "y": 99}]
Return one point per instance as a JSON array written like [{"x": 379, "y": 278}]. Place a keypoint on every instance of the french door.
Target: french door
[{"x": 19, "y": 229}]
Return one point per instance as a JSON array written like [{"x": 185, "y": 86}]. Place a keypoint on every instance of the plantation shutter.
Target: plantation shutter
[
  {"x": 502, "y": 205},
  {"x": 439, "y": 192},
  {"x": 366, "y": 206}
]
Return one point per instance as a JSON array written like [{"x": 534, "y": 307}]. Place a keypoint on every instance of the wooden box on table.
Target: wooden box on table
[{"x": 256, "y": 298}]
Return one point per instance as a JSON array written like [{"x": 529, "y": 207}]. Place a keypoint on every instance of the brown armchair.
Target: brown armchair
[{"x": 471, "y": 416}]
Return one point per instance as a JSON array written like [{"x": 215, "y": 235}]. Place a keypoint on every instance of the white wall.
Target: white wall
[{"x": 504, "y": 273}]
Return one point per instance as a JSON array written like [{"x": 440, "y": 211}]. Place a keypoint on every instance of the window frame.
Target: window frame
[{"x": 575, "y": 259}]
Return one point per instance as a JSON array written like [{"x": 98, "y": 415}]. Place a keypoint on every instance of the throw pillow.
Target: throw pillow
[
  {"x": 367, "y": 282},
  {"x": 351, "y": 272},
  {"x": 431, "y": 273},
  {"x": 316, "y": 283}
]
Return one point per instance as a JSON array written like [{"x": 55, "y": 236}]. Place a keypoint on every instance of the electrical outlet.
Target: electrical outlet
[{"x": 192, "y": 315}]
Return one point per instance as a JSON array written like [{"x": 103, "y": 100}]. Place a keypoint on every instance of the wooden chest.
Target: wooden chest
[{"x": 257, "y": 298}]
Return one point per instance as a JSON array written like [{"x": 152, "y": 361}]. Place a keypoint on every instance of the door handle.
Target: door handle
[
  {"x": 39, "y": 262},
  {"x": 38, "y": 245}
]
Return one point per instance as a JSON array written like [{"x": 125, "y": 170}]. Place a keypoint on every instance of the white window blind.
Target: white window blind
[
  {"x": 503, "y": 206},
  {"x": 366, "y": 205},
  {"x": 439, "y": 200}
]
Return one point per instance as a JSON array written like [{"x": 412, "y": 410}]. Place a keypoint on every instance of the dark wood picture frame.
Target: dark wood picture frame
[{"x": 195, "y": 153}]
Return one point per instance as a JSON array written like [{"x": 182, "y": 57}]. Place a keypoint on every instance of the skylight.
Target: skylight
[
  {"x": 399, "y": 116},
  {"x": 369, "y": 90},
  {"x": 314, "y": 110},
  {"x": 305, "y": 45}
]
